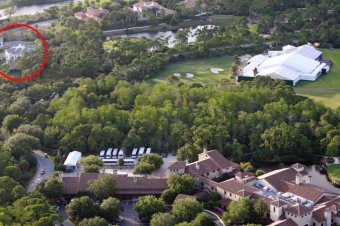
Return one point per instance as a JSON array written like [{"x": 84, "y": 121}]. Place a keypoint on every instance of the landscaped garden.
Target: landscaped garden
[
  {"x": 327, "y": 88},
  {"x": 209, "y": 71},
  {"x": 333, "y": 171}
]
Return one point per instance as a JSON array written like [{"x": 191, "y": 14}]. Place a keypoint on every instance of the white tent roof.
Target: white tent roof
[
  {"x": 308, "y": 51},
  {"x": 292, "y": 63},
  {"x": 72, "y": 158}
]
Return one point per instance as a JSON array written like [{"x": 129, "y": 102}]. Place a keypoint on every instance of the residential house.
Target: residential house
[
  {"x": 91, "y": 13},
  {"x": 14, "y": 52},
  {"x": 143, "y": 8}
]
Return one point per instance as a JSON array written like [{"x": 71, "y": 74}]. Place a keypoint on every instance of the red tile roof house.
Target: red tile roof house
[
  {"x": 91, "y": 13},
  {"x": 142, "y": 7},
  {"x": 305, "y": 205}
]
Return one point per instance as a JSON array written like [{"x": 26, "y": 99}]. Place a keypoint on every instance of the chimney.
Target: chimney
[
  {"x": 298, "y": 178},
  {"x": 328, "y": 216},
  {"x": 197, "y": 166}
]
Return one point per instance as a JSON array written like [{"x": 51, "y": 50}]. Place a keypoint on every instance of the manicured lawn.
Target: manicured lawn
[
  {"x": 327, "y": 88},
  {"x": 334, "y": 171},
  {"x": 200, "y": 68}
]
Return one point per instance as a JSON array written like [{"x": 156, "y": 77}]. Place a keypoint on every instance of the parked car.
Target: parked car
[
  {"x": 42, "y": 172},
  {"x": 45, "y": 155}
]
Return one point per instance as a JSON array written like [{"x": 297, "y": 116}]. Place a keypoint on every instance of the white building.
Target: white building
[
  {"x": 72, "y": 160},
  {"x": 291, "y": 64},
  {"x": 12, "y": 53},
  {"x": 142, "y": 7}
]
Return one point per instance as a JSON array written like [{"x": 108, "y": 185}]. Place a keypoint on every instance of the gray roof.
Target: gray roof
[{"x": 20, "y": 49}]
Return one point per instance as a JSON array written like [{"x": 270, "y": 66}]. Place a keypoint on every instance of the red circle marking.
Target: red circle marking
[{"x": 43, "y": 64}]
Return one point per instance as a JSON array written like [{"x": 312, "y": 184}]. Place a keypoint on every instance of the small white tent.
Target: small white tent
[{"x": 72, "y": 160}]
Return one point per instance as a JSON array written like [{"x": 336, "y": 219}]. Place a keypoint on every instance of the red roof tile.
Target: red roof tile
[
  {"x": 235, "y": 186},
  {"x": 221, "y": 161},
  {"x": 177, "y": 165}
]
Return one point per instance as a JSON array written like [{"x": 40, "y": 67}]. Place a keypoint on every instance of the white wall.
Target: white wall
[{"x": 301, "y": 220}]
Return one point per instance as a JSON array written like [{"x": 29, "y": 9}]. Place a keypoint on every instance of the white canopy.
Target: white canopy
[{"x": 72, "y": 159}]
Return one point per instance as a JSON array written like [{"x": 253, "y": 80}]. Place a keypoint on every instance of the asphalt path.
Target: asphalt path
[{"x": 43, "y": 163}]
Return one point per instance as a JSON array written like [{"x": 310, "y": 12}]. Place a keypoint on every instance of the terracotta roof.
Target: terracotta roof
[
  {"x": 80, "y": 15},
  {"x": 207, "y": 181},
  {"x": 140, "y": 185},
  {"x": 332, "y": 205},
  {"x": 93, "y": 12},
  {"x": 307, "y": 191},
  {"x": 202, "y": 167},
  {"x": 70, "y": 185},
  {"x": 285, "y": 222},
  {"x": 201, "y": 195},
  {"x": 243, "y": 193},
  {"x": 225, "y": 202},
  {"x": 279, "y": 203},
  {"x": 220, "y": 160},
  {"x": 282, "y": 181},
  {"x": 124, "y": 184},
  {"x": 84, "y": 180},
  {"x": 177, "y": 165},
  {"x": 235, "y": 186},
  {"x": 298, "y": 209}
]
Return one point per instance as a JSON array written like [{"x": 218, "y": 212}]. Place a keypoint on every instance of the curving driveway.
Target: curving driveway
[
  {"x": 42, "y": 163},
  {"x": 214, "y": 216}
]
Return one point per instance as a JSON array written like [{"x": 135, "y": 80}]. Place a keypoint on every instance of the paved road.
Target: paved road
[
  {"x": 42, "y": 163},
  {"x": 63, "y": 214},
  {"x": 130, "y": 216},
  {"x": 214, "y": 216}
]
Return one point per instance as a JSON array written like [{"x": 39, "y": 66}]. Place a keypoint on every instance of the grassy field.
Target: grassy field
[
  {"x": 327, "y": 88},
  {"x": 200, "y": 68},
  {"x": 333, "y": 171},
  {"x": 4, "y": 5}
]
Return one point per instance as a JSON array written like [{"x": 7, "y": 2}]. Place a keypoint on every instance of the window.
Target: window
[
  {"x": 274, "y": 209},
  {"x": 321, "y": 224}
]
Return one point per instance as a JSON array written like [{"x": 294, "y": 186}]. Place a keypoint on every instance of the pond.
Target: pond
[
  {"x": 166, "y": 34},
  {"x": 33, "y": 9}
]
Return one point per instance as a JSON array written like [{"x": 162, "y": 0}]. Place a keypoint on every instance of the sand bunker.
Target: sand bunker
[
  {"x": 177, "y": 74},
  {"x": 189, "y": 75},
  {"x": 216, "y": 70}
]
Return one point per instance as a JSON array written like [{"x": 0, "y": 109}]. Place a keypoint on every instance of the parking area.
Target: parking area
[
  {"x": 129, "y": 215},
  {"x": 128, "y": 170}
]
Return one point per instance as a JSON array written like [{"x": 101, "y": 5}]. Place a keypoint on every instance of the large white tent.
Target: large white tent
[
  {"x": 291, "y": 64},
  {"x": 72, "y": 160}
]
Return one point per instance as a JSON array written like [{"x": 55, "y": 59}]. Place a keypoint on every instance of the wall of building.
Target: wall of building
[
  {"x": 276, "y": 212},
  {"x": 301, "y": 220}
]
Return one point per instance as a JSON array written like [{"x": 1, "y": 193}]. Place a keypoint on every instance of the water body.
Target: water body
[
  {"x": 33, "y": 9},
  {"x": 166, "y": 34}
]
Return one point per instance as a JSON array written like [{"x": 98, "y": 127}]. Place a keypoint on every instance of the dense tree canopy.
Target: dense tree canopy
[
  {"x": 148, "y": 205},
  {"x": 103, "y": 187}
]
